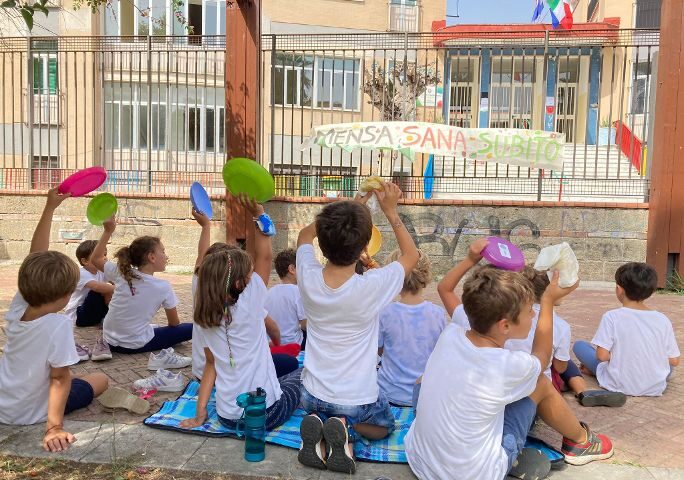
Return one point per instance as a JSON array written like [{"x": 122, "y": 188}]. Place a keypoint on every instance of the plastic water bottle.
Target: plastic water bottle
[{"x": 254, "y": 423}]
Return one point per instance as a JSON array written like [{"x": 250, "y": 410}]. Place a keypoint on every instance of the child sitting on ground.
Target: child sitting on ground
[
  {"x": 339, "y": 382},
  {"x": 562, "y": 367},
  {"x": 138, "y": 295},
  {"x": 284, "y": 364},
  {"x": 35, "y": 381},
  {"x": 636, "y": 349},
  {"x": 87, "y": 306},
  {"x": 284, "y": 302},
  {"x": 229, "y": 312},
  {"x": 409, "y": 329},
  {"x": 477, "y": 400}
]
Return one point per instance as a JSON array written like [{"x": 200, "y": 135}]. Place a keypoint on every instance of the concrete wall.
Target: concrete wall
[{"x": 603, "y": 237}]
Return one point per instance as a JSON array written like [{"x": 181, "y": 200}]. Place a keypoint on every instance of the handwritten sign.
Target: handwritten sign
[{"x": 527, "y": 148}]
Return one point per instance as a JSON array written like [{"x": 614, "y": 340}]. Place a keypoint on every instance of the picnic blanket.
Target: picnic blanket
[
  {"x": 387, "y": 450},
  {"x": 169, "y": 416}
]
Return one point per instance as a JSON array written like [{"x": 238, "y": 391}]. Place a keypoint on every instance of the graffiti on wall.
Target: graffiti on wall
[{"x": 450, "y": 237}]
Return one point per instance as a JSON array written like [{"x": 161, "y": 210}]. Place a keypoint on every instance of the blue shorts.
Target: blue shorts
[
  {"x": 80, "y": 396},
  {"x": 378, "y": 413},
  {"x": 518, "y": 419}
]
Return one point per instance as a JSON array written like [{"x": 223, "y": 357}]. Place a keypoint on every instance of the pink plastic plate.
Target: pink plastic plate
[
  {"x": 503, "y": 254},
  {"x": 83, "y": 181}
]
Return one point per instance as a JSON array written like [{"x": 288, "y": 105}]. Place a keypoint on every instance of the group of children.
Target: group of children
[{"x": 477, "y": 371}]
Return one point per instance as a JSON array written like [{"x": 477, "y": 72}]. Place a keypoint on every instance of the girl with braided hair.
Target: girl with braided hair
[{"x": 229, "y": 326}]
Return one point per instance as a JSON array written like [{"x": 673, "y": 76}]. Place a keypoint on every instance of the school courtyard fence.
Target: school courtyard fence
[{"x": 152, "y": 110}]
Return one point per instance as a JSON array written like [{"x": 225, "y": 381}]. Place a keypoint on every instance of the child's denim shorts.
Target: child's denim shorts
[{"x": 378, "y": 413}]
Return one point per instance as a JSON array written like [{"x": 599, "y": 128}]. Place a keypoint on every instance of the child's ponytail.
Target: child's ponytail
[
  {"x": 135, "y": 255},
  {"x": 123, "y": 258}
]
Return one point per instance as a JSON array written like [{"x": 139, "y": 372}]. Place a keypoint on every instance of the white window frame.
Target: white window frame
[
  {"x": 221, "y": 3},
  {"x": 316, "y": 90}
]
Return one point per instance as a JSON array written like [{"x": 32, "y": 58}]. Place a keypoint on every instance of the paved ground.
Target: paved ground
[{"x": 648, "y": 433}]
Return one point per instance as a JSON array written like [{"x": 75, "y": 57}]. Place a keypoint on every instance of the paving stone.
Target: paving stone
[
  {"x": 28, "y": 441},
  {"x": 146, "y": 446}
]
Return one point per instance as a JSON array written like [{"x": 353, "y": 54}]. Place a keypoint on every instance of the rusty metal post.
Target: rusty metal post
[
  {"x": 243, "y": 50},
  {"x": 666, "y": 201}
]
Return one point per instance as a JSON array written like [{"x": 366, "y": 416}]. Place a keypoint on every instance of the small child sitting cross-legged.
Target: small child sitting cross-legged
[
  {"x": 636, "y": 349},
  {"x": 409, "y": 329},
  {"x": 477, "y": 400},
  {"x": 36, "y": 384},
  {"x": 339, "y": 382},
  {"x": 284, "y": 302},
  {"x": 88, "y": 304},
  {"x": 565, "y": 369}
]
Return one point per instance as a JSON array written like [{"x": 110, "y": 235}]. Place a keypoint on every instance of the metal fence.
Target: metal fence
[{"x": 152, "y": 109}]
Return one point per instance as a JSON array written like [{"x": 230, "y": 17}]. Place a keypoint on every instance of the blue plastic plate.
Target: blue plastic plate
[{"x": 200, "y": 199}]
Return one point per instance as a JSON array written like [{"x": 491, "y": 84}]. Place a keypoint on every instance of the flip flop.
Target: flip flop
[
  {"x": 145, "y": 394},
  {"x": 531, "y": 464},
  {"x": 119, "y": 399},
  {"x": 601, "y": 398}
]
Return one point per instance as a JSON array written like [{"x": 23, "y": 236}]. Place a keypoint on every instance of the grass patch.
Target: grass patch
[
  {"x": 675, "y": 284},
  {"x": 20, "y": 468}
]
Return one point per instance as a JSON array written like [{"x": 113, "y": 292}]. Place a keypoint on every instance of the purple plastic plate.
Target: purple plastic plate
[{"x": 503, "y": 254}]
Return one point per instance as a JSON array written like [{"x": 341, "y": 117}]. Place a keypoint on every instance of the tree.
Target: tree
[{"x": 394, "y": 91}]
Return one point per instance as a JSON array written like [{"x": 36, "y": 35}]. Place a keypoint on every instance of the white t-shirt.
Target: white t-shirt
[
  {"x": 127, "y": 323},
  {"x": 342, "y": 329},
  {"x": 198, "y": 357},
  {"x": 253, "y": 365},
  {"x": 79, "y": 295},
  {"x": 284, "y": 305},
  {"x": 640, "y": 342},
  {"x": 561, "y": 339},
  {"x": 459, "y": 421},
  {"x": 408, "y": 334},
  {"x": 32, "y": 348},
  {"x": 460, "y": 318}
]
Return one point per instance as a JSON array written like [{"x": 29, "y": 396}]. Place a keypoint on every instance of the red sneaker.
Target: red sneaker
[{"x": 597, "y": 447}]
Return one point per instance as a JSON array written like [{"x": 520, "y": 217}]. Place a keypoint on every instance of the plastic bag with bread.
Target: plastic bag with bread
[{"x": 370, "y": 185}]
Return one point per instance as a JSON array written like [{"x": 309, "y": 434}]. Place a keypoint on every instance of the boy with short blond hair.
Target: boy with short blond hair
[
  {"x": 35, "y": 381},
  {"x": 477, "y": 400}
]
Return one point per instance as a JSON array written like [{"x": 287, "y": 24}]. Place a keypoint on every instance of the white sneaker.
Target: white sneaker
[
  {"x": 101, "y": 351},
  {"x": 83, "y": 353},
  {"x": 162, "y": 381},
  {"x": 167, "y": 358}
]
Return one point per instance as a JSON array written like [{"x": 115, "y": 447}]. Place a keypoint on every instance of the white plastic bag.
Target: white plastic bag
[
  {"x": 372, "y": 202},
  {"x": 559, "y": 258}
]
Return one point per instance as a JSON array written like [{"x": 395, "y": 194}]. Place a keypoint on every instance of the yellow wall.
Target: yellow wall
[{"x": 349, "y": 14}]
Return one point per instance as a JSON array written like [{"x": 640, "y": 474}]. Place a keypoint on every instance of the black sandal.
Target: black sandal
[{"x": 601, "y": 398}]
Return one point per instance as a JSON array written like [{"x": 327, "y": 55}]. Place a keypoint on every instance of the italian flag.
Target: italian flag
[{"x": 561, "y": 13}]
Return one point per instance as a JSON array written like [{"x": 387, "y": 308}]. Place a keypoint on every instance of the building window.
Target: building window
[
  {"x": 640, "y": 88},
  {"x": 648, "y": 13},
  {"x": 329, "y": 83},
  {"x": 142, "y": 17},
  {"x": 45, "y": 80},
  {"x": 45, "y": 172},
  {"x": 404, "y": 16},
  {"x": 180, "y": 119}
]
